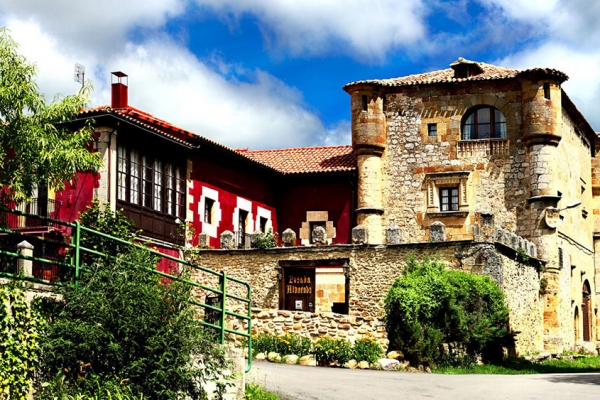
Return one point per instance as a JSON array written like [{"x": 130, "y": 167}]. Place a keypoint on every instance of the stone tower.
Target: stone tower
[
  {"x": 369, "y": 139},
  {"x": 542, "y": 130},
  {"x": 542, "y": 133}
]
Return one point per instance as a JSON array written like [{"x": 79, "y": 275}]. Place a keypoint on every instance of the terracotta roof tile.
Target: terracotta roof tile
[
  {"x": 286, "y": 161},
  {"x": 489, "y": 72},
  {"x": 149, "y": 121},
  {"x": 306, "y": 159}
]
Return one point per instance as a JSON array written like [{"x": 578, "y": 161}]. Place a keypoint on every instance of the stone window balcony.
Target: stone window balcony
[{"x": 482, "y": 148}]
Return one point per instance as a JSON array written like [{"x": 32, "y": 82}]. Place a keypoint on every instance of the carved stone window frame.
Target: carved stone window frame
[
  {"x": 320, "y": 217},
  {"x": 455, "y": 179}
]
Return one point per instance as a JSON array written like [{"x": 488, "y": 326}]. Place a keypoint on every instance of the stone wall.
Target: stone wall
[
  {"x": 313, "y": 325},
  {"x": 372, "y": 270},
  {"x": 496, "y": 181}
]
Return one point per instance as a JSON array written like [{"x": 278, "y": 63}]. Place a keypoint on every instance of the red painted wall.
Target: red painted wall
[
  {"x": 77, "y": 195},
  {"x": 231, "y": 180},
  {"x": 310, "y": 194},
  {"x": 166, "y": 265}
]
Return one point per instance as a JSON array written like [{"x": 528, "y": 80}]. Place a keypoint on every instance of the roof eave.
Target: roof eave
[{"x": 109, "y": 113}]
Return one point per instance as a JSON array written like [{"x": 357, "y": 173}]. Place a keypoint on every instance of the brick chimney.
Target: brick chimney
[{"x": 119, "y": 82}]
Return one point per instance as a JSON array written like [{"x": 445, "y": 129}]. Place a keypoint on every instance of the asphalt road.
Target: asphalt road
[{"x": 300, "y": 382}]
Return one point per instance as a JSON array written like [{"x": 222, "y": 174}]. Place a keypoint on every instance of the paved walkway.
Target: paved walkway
[{"x": 299, "y": 382}]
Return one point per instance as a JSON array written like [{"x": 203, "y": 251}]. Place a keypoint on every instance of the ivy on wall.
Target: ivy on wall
[{"x": 20, "y": 325}]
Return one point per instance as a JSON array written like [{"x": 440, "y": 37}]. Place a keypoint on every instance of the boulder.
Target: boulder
[
  {"x": 395, "y": 355},
  {"x": 290, "y": 359},
  {"x": 363, "y": 365},
  {"x": 308, "y": 360},
  {"x": 388, "y": 364}
]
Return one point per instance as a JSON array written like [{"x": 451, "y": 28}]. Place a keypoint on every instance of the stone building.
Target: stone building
[
  {"x": 480, "y": 143},
  {"x": 492, "y": 169}
]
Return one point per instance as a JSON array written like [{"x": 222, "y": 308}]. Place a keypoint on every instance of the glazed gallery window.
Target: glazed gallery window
[
  {"x": 150, "y": 182},
  {"x": 449, "y": 199},
  {"x": 484, "y": 123}
]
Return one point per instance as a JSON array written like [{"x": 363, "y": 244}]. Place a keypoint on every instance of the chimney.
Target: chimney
[{"x": 119, "y": 90}]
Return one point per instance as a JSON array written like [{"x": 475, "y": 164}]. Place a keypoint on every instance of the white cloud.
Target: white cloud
[
  {"x": 226, "y": 103},
  {"x": 566, "y": 37},
  {"x": 101, "y": 25},
  {"x": 525, "y": 9},
  {"x": 259, "y": 111},
  {"x": 564, "y": 21},
  {"x": 360, "y": 28},
  {"x": 336, "y": 135}
]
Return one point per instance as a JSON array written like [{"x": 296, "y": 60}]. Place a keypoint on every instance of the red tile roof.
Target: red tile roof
[
  {"x": 285, "y": 161},
  {"x": 488, "y": 72},
  {"x": 306, "y": 159},
  {"x": 144, "y": 120}
]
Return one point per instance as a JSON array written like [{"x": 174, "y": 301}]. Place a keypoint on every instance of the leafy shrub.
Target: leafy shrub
[
  {"x": 264, "y": 343},
  {"x": 20, "y": 324},
  {"x": 255, "y": 392},
  {"x": 265, "y": 240},
  {"x": 59, "y": 388},
  {"x": 293, "y": 344},
  {"x": 430, "y": 305},
  {"x": 287, "y": 344},
  {"x": 328, "y": 350},
  {"x": 367, "y": 349},
  {"x": 464, "y": 361},
  {"x": 102, "y": 219},
  {"x": 123, "y": 323}
]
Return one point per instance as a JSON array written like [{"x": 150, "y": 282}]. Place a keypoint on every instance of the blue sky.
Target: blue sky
[{"x": 269, "y": 73}]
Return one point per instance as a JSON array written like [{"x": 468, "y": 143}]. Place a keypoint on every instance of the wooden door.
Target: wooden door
[
  {"x": 299, "y": 289},
  {"x": 586, "y": 310}
]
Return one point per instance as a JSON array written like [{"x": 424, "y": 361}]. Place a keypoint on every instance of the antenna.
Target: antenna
[{"x": 79, "y": 73}]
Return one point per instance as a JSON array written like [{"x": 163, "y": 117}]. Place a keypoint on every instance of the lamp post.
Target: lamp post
[{"x": 552, "y": 214}]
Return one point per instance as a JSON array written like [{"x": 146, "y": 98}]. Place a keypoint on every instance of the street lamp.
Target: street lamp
[
  {"x": 552, "y": 214},
  {"x": 572, "y": 205}
]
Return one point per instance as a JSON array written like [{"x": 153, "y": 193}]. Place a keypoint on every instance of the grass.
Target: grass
[
  {"x": 255, "y": 392},
  {"x": 521, "y": 367}
]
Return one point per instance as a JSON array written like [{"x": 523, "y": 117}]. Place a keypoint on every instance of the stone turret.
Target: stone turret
[
  {"x": 369, "y": 139},
  {"x": 542, "y": 124},
  {"x": 542, "y": 132}
]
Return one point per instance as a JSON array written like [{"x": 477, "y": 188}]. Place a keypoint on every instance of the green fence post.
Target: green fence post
[
  {"x": 223, "y": 288},
  {"x": 250, "y": 344},
  {"x": 77, "y": 251}
]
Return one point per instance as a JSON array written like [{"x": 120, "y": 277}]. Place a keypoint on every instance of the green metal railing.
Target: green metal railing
[{"x": 72, "y": 266}]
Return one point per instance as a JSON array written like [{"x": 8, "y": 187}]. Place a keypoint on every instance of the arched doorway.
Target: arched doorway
[
  {"x": 586, "y": 310},
  {"x": 576, "y": 325}
]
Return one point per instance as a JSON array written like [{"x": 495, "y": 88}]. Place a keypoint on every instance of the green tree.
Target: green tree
[
  {"x": 37, "y": 147},
  {"x": 124, "y": 324},
  {"x": 429, "y": 305}
]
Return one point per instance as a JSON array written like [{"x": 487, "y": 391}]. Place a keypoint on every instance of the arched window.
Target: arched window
[{"x": 484, "y": 123}]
